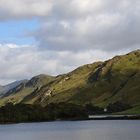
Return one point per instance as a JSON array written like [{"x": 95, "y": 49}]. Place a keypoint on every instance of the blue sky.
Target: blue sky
[{"x": 16, "y": 31}]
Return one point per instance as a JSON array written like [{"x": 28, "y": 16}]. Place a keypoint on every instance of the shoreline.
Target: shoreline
[
  {"x": 110, "y": 117},
  {"x": 96, "y": 117}
]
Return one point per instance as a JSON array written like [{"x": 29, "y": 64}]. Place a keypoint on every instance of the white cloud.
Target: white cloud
[
  {"x": 23, "y": 62},
  {"x": 84, "y": 24},
  {"x": 79, "y": 24},
  {"x": 71, "y": 33},
  {"x": 19, "y": 9}
]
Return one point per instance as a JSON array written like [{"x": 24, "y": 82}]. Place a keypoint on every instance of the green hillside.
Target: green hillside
[
  {"x": 99, "y": 84},
  {"x": 17, "y": 94}
]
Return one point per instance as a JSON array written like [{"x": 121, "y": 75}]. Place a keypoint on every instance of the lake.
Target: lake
[{"x": 73, "y": 130}]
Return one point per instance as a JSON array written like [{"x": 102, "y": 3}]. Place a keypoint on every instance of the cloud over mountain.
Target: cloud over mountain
[{"x": 70, "y": 33}]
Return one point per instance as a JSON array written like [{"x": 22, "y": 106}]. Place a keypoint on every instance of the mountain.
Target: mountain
[
  {"x": 25, "y": 88},
  {"x": 100, "y": 84},
  {"x": 6, "y": 88},
  {"x": 1, "y": 88}
]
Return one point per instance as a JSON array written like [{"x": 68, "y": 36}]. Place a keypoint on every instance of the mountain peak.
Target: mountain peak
[{"x": 99, "y": 83}]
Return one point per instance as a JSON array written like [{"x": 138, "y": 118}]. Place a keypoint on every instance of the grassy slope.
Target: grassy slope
[
  {"x": 17, "y": 94},
  {"x": 65, "y": 86},
  {"x": 133, "y": 111},
  {"x": 99, "y": 83}
]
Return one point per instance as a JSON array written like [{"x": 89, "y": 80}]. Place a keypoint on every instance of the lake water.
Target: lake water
[{"x": 73, "y": 130}]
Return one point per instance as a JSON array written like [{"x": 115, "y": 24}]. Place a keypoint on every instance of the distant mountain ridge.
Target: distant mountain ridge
[
  {"x": 100, "y": 84},
  {"x": 6, "y": 88}
]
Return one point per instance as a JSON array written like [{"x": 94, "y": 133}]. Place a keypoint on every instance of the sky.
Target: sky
[{"x": 57, "y": 36}]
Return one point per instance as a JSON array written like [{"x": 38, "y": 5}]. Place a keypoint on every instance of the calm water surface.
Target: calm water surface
[{"x": 76, "y": 130}]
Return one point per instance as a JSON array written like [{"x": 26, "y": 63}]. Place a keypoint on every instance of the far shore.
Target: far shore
[
  {"x": 91, "y": 117},
  {"x": 114, "y": 117}
]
